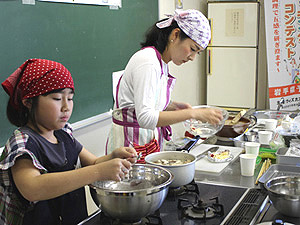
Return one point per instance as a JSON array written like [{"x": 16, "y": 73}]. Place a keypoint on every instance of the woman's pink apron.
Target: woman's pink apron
[{"x": 130, "y": 122}]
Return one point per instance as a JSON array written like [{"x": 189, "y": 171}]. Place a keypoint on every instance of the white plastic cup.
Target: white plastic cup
[
  {"x": 247, "y": 162},
  {"x": 286, "y": 125},
  {"x": 252, "y": 148},
  {"x": 265, "y": 137},
  {"x": 270, "y": 124}
]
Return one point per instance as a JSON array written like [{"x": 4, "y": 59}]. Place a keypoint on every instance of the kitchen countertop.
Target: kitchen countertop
[{"x": 230, "y": 176}]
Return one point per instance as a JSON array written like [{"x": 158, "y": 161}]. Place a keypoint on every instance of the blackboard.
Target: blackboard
[{"x": 91, "y": 41}]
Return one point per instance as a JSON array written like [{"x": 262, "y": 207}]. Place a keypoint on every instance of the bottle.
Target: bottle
[{"x": 178, "y": 4}]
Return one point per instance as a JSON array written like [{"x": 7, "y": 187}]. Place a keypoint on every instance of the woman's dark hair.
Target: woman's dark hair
[
  {"x": 20, "y": 117},
  {"x": 158, "y": 37}
]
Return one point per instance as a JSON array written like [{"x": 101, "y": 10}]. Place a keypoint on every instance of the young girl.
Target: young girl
[
  {"x": 39, "y": 182},
  {"x": 143, "y": 92}
]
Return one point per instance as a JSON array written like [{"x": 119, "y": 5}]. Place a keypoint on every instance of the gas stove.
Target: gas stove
[
  {"x": 206, "y": 204},
  {"x": 195, "y": 203}
]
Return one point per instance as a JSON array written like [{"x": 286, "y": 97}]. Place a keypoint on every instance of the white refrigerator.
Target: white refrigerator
[{"x": 232, "y": 54}]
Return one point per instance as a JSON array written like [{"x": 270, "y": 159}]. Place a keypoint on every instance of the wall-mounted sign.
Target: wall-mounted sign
[
  {"x": 283, "y": 52},
  {"x": 113, "y": 3}
]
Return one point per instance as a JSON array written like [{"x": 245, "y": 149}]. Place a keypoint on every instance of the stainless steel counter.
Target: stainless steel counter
[{"x": 230, "y": 176}]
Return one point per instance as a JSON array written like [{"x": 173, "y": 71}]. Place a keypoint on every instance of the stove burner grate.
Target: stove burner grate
[
  {"x": 182, "y": 190},
  {"x": 200, "y": 209}
]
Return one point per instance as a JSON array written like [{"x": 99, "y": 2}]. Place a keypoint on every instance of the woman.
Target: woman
[{"x": 143, "y": 92}]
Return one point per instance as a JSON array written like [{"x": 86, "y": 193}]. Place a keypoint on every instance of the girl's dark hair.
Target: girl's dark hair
[
  {"x": 158, "y": 37},
  {"x": 20, "y": 117}
]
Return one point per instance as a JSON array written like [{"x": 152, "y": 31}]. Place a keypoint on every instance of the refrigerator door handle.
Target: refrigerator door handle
[
  {"x": 209, "y": 72},
  {"x": 210, "y": 21}
]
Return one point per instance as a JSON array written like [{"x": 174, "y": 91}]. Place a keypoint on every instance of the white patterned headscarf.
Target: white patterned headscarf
[{"x": 193, "y": 23}]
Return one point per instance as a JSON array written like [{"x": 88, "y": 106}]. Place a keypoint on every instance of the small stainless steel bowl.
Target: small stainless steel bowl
[
  {"x": 251, "y": 136},
  {"x": 137, "y": 196},
  {"x": 284, "y": 192}
]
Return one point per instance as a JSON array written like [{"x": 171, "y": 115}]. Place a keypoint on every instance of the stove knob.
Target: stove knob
[{"x": 278, "y": 222}]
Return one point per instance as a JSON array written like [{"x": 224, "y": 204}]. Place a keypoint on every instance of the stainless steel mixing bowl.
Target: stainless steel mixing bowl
[
  {"x": 284, "y": 192},
  {"x": 135, "y": 197}
]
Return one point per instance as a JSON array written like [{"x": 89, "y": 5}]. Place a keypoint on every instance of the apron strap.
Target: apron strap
[{"x": 167, "y": 130}]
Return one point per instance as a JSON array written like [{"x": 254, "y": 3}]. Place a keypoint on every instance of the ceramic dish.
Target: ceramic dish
[{"x": 220, "y": 156}]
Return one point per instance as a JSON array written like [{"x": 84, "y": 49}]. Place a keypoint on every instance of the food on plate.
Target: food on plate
[
  {"x": 220, "y": 156},
  {"x": 172, "y": 162},
  {"x": 224, "y": 154}
]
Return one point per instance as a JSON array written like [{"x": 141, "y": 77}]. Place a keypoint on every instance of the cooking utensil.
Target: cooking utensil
[
  {"x": 269, "y": 114},
  {"x": 136, "y": 197},
  {"x": 205, "y": 129},
  {"x": 184, "y": 173},
  {"x": 284, "y": 192},
  {"x": 250, "y": 136},
  {"x": 203, "y": 154},
  {"x": 189, "y": 145},
  {"x": 232, "y": 131},
  {"x": 138, "y": 157},
  {"x": 263, "y": 169},
  {"x": 238, "y": 117}
]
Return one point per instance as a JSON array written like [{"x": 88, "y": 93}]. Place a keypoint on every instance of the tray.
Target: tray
[
  {"x": 277, "y": 170},
  {"x": 282, "y": 158}
]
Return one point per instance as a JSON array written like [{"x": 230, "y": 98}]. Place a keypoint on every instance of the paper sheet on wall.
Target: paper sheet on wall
[
  {"x": 116, "y": 3},
  {"x": 234, "y": 26},
  {"x": 28, "y": 2}
]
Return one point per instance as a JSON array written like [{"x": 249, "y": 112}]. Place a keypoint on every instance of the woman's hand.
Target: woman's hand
[
  {"x": 173, "y": 106},
  {"x": 125, "y": 153},
  {"x": 213, "y": 116}
]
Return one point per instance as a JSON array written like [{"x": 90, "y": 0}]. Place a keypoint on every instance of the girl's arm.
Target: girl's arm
[
  {"x": 87, "y": 158},
  {"x": 35, "y": 186}
]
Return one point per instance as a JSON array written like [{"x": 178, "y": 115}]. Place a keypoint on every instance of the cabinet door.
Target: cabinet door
[
  {"x": 231, "y": 77},
  {"x": 233, "y": 24}
]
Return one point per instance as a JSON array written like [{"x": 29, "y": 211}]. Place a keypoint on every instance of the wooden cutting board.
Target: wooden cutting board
[{"x": 206, "y": 166}]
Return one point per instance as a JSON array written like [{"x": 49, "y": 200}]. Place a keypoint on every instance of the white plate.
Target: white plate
[{"x": 215, "y": 160}]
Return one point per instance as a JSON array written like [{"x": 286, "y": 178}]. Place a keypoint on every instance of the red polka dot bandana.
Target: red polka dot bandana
[{"x": 36, "y": 77}]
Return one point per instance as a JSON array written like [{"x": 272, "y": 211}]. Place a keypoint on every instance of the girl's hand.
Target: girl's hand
[
  {"x": 213, "y": 116},
  {"x": 125, "y": 153},
  {"x": 114, "y": 169}
]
